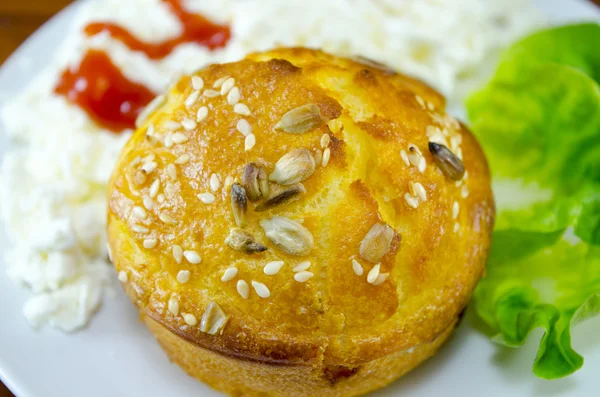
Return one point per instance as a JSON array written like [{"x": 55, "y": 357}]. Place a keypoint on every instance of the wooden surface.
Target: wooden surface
[{"x": 18, "y": 19}]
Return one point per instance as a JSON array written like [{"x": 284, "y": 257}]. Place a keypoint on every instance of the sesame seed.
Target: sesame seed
[
  {"x": 207, "y": 198},
  {"x": 190, "y": 319},
  {"x": 180, "y": 137},
  {"x": 325, "y": 140},
  {"x": 357, "y": 267},
  {"x": 466, "y": 176},
  {"x": 220, "y": 82},
  {"x": 188, "y": 124},
  {"x": 244, "y": 127},
  {"x": 192, "y": 98},
  {"x": 161, "y": 197},
  {"x": 169, "y": 140},
  {"x": 242, "y": 109},
  {"x": 183, "y": 276},
  {"x": 456, "y": 227},
  {"x": 149, "y": 158},
  {"x": 422, "y": 165},
  {"x": 430, "y": 106},
  {"x": 228, "y": 181},
  {"x": 139, "y": 212},
  {"x": 458, "y": 183},
  {"x": 215, "y": 182},
  {"x": 197, "y": 83},
  {"x": 303, "y": 277},
  {"x": 404, "y": 157},
  {"x": 170, "y": 189},
  {"x": 150, "y": 243},
  {"x": 373, "y": 273},
  {"x": 413, "y": 155},
  {"x": 243, "y": 289},
  {"x": 411, "y": 200},
  {"x": 168, "y": 219},
  {"x": 149, "y": 167},
  {"x": 177, "y": 253},
  {"x": 302, "y": 266},
  {"x": 109, "y": 251},
  {"x": 419, "y": 191},
  {"x": 249, "y": 142},
  {"x": 140, "y": 177},
  {"x": 455, "y": 209},
  {"x": 148, "y": 203},
  {"x": 154, "y": 188},
  {"x": 150, "y": 130},
  {"x": 123, "y": 276},
  {"x": 273, "y": 268},
  {"x": 210, "y": 93},
  {"x": 381, "y": 278},
  {"x": 135, "y": 161},
  {"x": 420, "y": 100},
  {"x": 202, "y": 113},
  {"x": 229, "y": 274},
  {"x": 192, "y": 256},
  {"x": 459, "y": 153},
  {"x": 261, "y": 289},
  {"x": 326, "y": 156},
  {"x": 464, "y": 191},
  {"x": 173, "y": 306},
  {"x": 234, "y": 96},
  {"x": 172, "y": 171},
  {"x": 171, "y": 125},
  {"x": 455, "y": 141},
  {"x": 139, "y": 229},
  {"x": 183, "y": 159},
  {"x": 228, "y": 84},
  {"x": 318, "y": 156}
]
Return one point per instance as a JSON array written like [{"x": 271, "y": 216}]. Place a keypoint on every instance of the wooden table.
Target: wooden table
[{"x": 18, "y": 19}]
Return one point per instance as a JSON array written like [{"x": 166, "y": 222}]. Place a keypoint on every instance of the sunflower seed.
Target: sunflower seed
[
  {"x": 293, "y": 167},
  {"x": 213, "y": 320},
  {"x": 288, "y": 235},
  {"x": 300, "y": 120},
  {"x": 239, "y": 204},
  {"x": 243, "y": 289},
  {"x": 447, "y": 161},
  {"x": 288, "y": 194},
  {"x": 229, "y": 274},
  {"x": 241, "y": 240},
  {"x": 255, "y": 181},
  {"x": 376, "y": 242}
]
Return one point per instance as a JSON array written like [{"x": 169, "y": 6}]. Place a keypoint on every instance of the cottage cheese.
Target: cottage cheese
[{"x": 52, "y": 185}]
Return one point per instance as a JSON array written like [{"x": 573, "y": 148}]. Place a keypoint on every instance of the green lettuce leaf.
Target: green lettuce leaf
[{"x": 538, "y": 121}]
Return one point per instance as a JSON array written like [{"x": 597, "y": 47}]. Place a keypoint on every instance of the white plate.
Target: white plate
[{"x": 116, "y": 356}]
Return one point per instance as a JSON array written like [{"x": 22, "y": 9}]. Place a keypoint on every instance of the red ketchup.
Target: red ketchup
[{"x": 111, "y": 99}]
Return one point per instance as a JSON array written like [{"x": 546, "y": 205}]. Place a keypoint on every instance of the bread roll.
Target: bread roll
[{"x": 300, "y": 224}]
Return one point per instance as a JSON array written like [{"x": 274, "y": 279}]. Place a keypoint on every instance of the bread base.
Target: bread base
[{"x": 237, "y": 377}]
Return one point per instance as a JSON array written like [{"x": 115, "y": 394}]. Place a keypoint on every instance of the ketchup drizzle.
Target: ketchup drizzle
[
  {"x": 196, "y": 29},
  {"x": 101, "y": 90},
  {"x": 110, "y": 98}
]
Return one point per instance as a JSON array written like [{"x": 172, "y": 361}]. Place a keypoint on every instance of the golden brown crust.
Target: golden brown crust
[{"x": 335, "y": 318}]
